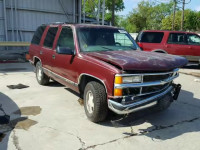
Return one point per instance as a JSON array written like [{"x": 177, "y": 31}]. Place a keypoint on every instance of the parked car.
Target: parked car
[
  {"x": 185, "y": 44},
  {"x": 106, "y": 67}
]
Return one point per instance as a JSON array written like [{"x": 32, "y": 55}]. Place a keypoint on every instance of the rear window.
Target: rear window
[
  {"x": 38, "y": 35},
  {"x": 176, "y": 38},
  {"x": 151, "y": 37},
  {"x": 48, "y": 42}
]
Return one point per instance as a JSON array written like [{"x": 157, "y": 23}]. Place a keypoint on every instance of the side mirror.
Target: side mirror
[{"x": 65, "y": 50}]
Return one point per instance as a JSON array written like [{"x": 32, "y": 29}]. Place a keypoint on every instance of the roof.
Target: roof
[
  {"x": 171, "y": 31},
  {"x": 78, "y": 25}
]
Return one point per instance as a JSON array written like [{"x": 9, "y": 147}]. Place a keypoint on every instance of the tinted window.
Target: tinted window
[
  {"x": 193, "y": 39},
  {"x": 66, "y": 38},
  {"x": 38, "y": 35},
  {"x": 176, "y": 38},
  {"x": 152, "y": 37},
  {"x": 48, "y": 42}
]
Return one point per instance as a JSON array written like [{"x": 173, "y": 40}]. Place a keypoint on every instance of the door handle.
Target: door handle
[
  {"x": 189, "y": 47},
  {"x": 41, "y": 52},
  {"x": 53, "y": 56}
]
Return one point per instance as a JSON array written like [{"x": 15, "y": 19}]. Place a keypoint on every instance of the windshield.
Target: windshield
[{"x": 105, "y": 39}]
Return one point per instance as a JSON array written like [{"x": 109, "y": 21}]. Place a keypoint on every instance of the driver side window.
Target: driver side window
[{"x": 66, "y": 39}]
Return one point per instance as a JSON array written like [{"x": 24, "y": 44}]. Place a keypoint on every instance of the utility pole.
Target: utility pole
[
  {"x": 174, "y": 14},
  {"x": 113, "y": 12},
  {"x": 182, "y": 18},
  {"x": 103, "y": 11},
  {"x": 98, "y": 11}
]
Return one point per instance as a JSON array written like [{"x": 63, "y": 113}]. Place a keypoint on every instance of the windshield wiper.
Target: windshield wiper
[{"x": 107, "y": 48}]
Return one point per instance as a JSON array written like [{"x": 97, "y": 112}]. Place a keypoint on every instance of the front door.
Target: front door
[
  {"x": 193, "y": 41},
  {"x": 63, "y": 65}
]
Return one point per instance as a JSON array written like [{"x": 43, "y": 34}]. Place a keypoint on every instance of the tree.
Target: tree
[
  {"x": 111, "y": 6},
  {"x": 148, "y": 15},
  {"x": 191, "y": 21}
]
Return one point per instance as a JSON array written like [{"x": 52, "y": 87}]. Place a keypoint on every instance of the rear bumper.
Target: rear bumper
[{"x": 120, "y": 108}]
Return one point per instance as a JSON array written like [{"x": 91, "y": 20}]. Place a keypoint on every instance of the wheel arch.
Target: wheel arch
[
  {"x": 84, "y": 78},
  {"x": 160, "y": 51},
  {"x": 36, "y": 59}
]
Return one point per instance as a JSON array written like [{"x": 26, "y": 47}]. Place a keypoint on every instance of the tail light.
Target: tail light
[
  {"x": 140, "y": 45},
  {"x": 28, "y": 57}
]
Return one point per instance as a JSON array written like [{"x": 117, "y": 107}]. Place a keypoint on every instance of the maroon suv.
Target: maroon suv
[
  {"x": 185, "y": 44},
  {"x": 106, "y": 67}
]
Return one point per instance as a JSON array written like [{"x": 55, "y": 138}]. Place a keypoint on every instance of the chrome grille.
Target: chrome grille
[{"x": 151, "y": 83}]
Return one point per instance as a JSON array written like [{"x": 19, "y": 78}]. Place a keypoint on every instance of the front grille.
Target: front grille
[
  {"x": 152, "y": 83},
  {"x": 150, "y": 89},
  {"x": 144, "y": 90},
  {"x": 152, "y": 78}
]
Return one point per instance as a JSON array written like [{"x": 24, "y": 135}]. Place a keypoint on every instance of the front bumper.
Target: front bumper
[{"x": 120, "y": 108}]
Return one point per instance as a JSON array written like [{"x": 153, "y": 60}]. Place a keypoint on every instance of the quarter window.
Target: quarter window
[
  {"x": 38, "y": 35},
  {"x": 66, "y": 38},
  {"x": 152, "y": 37},
  {"x": 193, "y": 39},
  {"x": 48, "y": 42},
  {"x": 176, "y": 38}
]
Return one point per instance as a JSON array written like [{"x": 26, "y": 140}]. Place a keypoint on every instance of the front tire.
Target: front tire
[
  {"x": 41, "y": 77},
  {"x": 95, "y": 102}
]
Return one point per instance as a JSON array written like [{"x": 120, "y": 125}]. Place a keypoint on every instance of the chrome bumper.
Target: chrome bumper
[{"x": 145, "y": 103}]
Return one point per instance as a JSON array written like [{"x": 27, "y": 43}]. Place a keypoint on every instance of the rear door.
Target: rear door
[
  {"x": 193, "y": 41},
  {"x": 177, "y": 45},
  {"x": 47, "y": 49},
  {"x": 36, "y": 42}
]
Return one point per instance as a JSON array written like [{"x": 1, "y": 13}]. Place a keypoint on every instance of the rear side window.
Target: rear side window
[
  {"x": 176, "y": 38},
  {"x": 48, "y": 42},
  {"x": 66, "y": 38},
  {"x": 151, "y": 37},
  {"x": 38, "y": 35}
]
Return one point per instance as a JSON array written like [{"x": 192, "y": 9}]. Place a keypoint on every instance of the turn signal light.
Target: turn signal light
[
  {"x": 117, "y": 92},
  {"x": 118, "y": 80}
]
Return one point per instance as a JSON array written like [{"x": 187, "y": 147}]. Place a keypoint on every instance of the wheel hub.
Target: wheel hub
[
  {"x": 90, "y": 102},
  {"x": 39, "y": 73}
]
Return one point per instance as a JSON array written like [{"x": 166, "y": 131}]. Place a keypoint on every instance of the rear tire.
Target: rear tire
[
  {"x": 95, "y": 102},
  {"x": 41, "y": 77}
]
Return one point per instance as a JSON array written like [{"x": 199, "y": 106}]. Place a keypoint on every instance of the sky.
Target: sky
[{"x": 131, "y": 4}]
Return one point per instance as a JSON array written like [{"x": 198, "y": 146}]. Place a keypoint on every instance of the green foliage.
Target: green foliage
[
  {"x": 119, "y": 5},
  {"x": 191, "y": 21},
  {"x": 149, "y": 15},
  {"x": 92, "y": 5}
]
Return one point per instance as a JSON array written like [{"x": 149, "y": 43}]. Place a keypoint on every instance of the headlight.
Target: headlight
[
  {"x": 132, "y": 79},
  {"x": 128, "y": 79}
]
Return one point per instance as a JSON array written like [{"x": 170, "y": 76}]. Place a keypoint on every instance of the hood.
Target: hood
[{"x": 140, "y": 60}]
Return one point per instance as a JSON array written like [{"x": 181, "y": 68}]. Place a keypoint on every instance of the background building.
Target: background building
[{"x": 20, "y": 18}]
